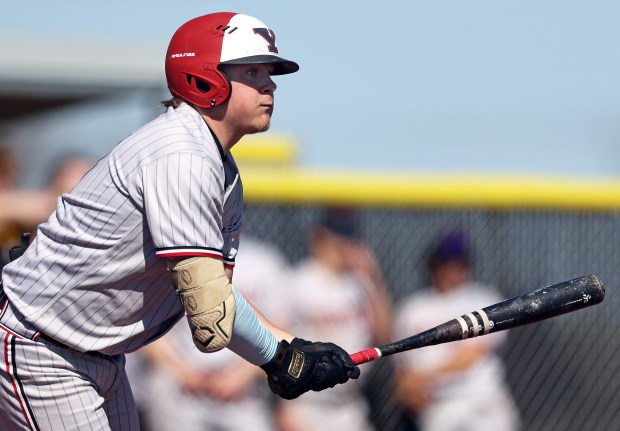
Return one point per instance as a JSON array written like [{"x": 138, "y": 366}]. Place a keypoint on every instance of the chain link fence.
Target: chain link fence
[{"x": 562, "y": 371}]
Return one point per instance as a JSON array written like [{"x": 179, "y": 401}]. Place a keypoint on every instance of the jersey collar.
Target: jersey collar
[{"x": 217, "y": 144}]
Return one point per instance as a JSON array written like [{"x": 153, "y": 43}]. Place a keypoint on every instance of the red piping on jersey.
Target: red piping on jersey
[
  {"x": 188, "y": 253},
  {"x": 8, "y": 371},
  {"x": 213, "y": 255},
  {"x": 9, "y": 332}
]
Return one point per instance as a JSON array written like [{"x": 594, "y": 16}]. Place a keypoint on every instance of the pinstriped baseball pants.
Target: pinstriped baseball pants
[{"x": 49, "y": 387}]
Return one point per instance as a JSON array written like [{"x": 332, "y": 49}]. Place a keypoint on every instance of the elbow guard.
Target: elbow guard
[{"x": 207, "y": 299}]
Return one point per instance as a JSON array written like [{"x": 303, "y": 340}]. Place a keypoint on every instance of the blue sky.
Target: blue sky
[{"x": 479, "y": 86}]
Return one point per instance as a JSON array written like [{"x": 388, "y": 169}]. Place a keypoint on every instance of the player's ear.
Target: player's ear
[{"x": 201, "y": 85}]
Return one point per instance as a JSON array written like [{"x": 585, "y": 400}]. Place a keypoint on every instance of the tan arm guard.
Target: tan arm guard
[{"x": 207, "y": 299}]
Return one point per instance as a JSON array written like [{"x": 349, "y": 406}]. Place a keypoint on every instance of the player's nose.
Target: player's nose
[{"x": 269, "y": 86}]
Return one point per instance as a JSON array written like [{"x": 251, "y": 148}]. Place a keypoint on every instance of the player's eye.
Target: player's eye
[{"x": 252, "y": 72}]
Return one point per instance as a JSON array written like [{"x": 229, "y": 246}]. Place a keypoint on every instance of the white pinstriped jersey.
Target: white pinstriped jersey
[{"x": 94, "y": 277}]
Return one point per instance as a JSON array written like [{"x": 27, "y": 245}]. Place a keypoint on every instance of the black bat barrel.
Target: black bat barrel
[
  {"x": 541, "y": 304},
  {"x": 532, "y": 307},
  {"x": 547, "y": 302}
]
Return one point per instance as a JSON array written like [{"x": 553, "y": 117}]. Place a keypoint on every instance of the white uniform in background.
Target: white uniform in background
[
  {"x": 476, "y": 399},
  {"x": 259, "y": 274},
  {"x": 331, "y": 307}
]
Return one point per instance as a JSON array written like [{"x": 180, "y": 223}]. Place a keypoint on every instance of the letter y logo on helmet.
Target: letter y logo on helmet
[
  {"x": 269, "y": 36},
  {"x": 200, "y": 45}
]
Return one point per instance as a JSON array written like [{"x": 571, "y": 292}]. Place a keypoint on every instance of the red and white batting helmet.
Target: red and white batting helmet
[{"x": 200, "y": 45}]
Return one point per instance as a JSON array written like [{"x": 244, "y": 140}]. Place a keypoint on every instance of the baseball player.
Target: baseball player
[
  {"x": 174, "y": 398},
  {"x": 148, "y": 235},
  {"x": 452, "y": 386},
  {"x": 339, "y": 293}
]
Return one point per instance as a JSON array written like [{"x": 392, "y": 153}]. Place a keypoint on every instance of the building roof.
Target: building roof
[{"x": 38, "y": 74}]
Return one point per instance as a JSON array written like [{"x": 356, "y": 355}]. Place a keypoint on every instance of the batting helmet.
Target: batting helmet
[{"x": 200, "y": 45}]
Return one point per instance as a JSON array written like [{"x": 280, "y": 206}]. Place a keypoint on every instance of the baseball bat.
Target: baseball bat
[{"x": 521, "y": 310}]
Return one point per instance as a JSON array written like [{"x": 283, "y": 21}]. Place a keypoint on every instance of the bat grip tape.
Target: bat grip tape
[{"x": 365, "y": 356}]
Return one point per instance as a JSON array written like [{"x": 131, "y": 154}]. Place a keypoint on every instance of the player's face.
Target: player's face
[
  {"x": 333, "y": 249},
  {"x": 451, "y": 274},
  {"x": 251, "y": 101}
]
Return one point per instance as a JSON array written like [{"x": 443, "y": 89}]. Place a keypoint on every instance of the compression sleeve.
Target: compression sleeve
[{"x": 251, "y": 339}]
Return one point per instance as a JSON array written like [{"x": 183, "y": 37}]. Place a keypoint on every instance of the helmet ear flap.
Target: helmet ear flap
[{"x": 208, "y": 88}]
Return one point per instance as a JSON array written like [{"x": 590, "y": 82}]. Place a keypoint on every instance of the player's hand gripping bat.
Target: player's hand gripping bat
[{"x": 532, "y": 307}]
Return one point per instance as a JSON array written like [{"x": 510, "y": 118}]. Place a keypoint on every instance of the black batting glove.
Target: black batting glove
[{"x": 303, "y": 366}]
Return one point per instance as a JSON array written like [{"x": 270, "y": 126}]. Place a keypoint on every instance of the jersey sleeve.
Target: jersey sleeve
[{"x": 183, "y": 202}]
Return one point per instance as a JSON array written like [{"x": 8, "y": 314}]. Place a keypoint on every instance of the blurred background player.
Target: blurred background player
[
  {"x": 9, "y": 231},
  {"x": 337, "y": 294},
  {"x": 453, "y": 386},
  {"x": 8, "y": 167},
  {"x": 178, "y": 387},
  {"x": 22, "y": 210}
]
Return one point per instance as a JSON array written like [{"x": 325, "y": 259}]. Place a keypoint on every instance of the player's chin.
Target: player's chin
[
  {"x": 263, "y": 124},
  {"x": 264, "y": 129},
  {"x": 258, "y": 128}
]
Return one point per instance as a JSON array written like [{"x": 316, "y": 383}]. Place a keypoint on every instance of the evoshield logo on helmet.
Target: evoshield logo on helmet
[
  {"x": 270, "y": 37},
  {"x": 215, "y": 39}
]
